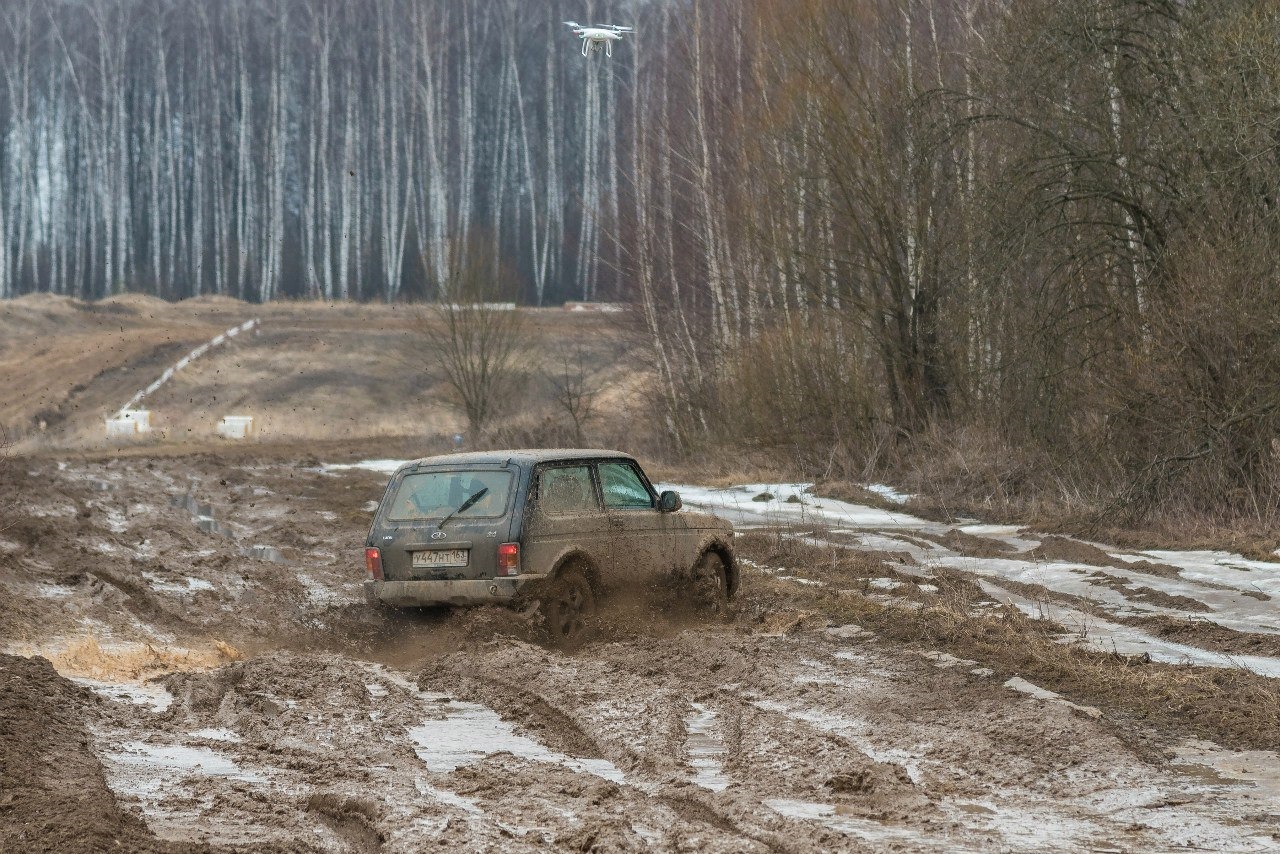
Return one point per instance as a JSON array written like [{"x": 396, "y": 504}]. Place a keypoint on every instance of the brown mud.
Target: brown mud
[{"x": 191, "y": 667}]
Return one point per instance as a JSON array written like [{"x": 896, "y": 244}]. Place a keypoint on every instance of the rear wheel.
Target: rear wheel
[
  {"x": 711, "y": 585},
  {"x": 570, "y": 605}
]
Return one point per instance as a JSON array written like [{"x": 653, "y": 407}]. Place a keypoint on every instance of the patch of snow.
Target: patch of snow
[
  {"x": 946, "y": 660},
  {"x": 1229, "y": 608},
  {"x": 1022, "y": 686},
  {"x": 1127, "y": 640},
  {"x": 791, "y": 503},
  {"x": 809, "y": 582},
  {"x": 888, "y": 493},
  {"x": 376, "y": 466}
]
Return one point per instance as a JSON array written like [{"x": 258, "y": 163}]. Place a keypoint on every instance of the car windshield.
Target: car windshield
[{"x": 436, "y": 494}]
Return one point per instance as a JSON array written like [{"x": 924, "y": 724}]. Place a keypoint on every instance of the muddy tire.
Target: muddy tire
[
  {"x": 710, "y": 586},
  {"x": 570, "y": 607}
]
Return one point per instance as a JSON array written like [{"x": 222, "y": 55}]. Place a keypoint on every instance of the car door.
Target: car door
[
  {"x": 632, "y": 511},
  {"x": 564, "y": 516}
]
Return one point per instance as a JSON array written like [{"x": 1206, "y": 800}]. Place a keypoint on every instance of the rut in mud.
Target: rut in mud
[{"x": 187, "y": 644}]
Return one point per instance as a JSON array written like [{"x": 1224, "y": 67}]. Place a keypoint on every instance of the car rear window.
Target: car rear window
[{"x": 436, "y": 494}]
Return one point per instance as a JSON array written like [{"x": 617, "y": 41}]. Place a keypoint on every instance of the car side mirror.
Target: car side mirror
[{"x": 669, "y": 502}]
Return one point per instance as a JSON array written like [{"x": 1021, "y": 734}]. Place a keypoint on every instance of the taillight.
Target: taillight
[
  {"x": 373, "y": 563},
  {"x": 509, "y": 559}
]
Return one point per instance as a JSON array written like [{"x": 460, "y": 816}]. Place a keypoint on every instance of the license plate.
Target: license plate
[{"x": 442, "y": 557}]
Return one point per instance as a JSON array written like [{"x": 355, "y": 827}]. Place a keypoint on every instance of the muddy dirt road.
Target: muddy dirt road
[{"x": 188, "y": 666}]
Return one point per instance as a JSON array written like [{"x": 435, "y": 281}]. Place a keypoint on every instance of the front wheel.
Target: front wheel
[
  {"x": 711, "y": 585},
  {"x": 570, "y": 605}
]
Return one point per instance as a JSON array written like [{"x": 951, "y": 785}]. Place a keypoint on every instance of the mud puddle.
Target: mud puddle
[
  {"x": 704, "y": 748},
  {"x": 465, "y": 733}
]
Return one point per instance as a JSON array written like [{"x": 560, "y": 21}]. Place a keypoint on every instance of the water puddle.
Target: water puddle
[
  {"x": 468, "y": 732},
  {"x": 444, "y": 796},
  {"x": 150, "y": 695},
  {"x": 148, "y": 771},
  {"x": 705, "y": 749},
  {"x": 1259, "y": 769},
  {"x": 851, "y": 730},
  {"x": 216, "y": 734}
]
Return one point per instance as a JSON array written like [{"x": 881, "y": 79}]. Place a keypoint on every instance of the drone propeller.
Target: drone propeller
[
  {"x": 574, "y": 24},
  {"x": 618, "y": 29}
]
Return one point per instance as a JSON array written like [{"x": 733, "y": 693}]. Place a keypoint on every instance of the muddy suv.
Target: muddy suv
[{"x": 563, "y": 527}]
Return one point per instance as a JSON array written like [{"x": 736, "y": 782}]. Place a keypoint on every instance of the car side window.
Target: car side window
[
  {"x": 566, "y": 489},
  {"x": 622, "y": 487}
]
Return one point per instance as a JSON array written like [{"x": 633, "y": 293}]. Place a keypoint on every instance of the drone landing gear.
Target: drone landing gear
[{"x": 608, "y": 48}]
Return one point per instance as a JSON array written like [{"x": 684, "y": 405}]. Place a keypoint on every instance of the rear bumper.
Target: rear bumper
[{"x": 416, "y": 594}]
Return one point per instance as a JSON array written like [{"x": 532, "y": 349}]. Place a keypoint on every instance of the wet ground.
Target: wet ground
[{"x": 188, "y": 666}]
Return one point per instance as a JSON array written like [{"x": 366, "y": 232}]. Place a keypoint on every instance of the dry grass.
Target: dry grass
[{"x": 313, "y": 371}]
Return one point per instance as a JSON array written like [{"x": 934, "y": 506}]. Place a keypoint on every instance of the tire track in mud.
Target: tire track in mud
[
  {"x": 355, "y": 820},
  {"x": 558, "y": 729},
  {"x": 663, "y": 771},
  {"x": 553, "y": 726}
]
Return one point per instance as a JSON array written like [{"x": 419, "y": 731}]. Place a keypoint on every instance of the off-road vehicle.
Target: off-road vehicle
[{"x": 562, "y": 527}]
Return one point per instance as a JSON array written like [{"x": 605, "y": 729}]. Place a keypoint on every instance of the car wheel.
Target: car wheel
[
  {"x": 711, "y": 585},
  {"x": 570, "y": 605}
]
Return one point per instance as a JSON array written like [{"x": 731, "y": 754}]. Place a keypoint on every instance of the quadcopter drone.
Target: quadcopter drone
[{"x": 594, "y": 38}]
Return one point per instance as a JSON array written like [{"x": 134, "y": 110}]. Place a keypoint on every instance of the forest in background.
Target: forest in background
[{"x": 1020, "y": 252}]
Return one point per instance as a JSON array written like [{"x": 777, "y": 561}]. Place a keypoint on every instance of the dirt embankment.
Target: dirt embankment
[{"x": 53, "y": 791}]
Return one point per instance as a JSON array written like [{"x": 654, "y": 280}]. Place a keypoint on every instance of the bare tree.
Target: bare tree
[
  {"x": 574, "y": 390},
  {"x": 473, "y": 334}
]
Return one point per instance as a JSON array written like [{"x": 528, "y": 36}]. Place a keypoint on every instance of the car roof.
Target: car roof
[{"x": 519, "y": 456}]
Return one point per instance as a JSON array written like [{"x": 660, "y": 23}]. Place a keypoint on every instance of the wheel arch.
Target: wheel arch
[{"x": 580, "y": 559}]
